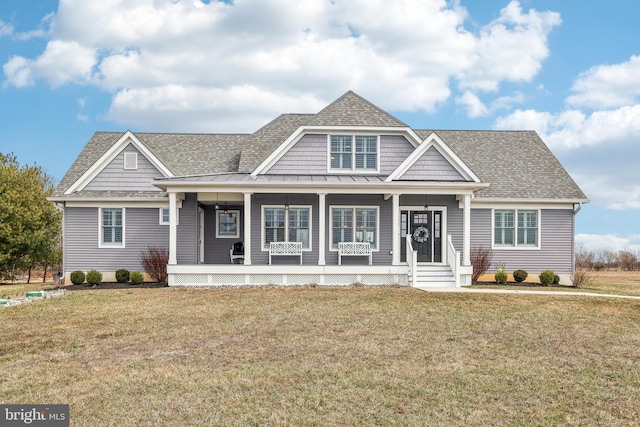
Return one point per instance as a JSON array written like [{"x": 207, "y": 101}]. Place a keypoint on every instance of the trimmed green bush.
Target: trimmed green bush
[
  {"x": 520, "y": 275},
  {"x": 77, "y": 277},
  {"x": 122, "y": 275},
  {"x": 94, "y": 277},
  {"x": 501, "y": 277},
  {"x": 556, "y": 279},
  {"x": 136, "y": 278},
  {"x": 547, "y": 277}
]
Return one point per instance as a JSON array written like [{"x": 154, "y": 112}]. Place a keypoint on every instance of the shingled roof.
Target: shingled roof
[{"x": 516, "y": 164}]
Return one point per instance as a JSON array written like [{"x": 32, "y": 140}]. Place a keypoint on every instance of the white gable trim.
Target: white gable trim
[
  {"x": 127, "y": 138},
  {"x": 433, "y": 140},
  {"x": 279, "y": 152}
]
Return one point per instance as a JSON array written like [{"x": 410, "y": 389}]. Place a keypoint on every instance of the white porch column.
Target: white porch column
[
  {"x": 395, "y": 217},
  {"x": 173, "y": 229},
  {"x": 466, "y": 250},
  {"x": 247, "y": 228},
  {"x": 322, "y": 224}
]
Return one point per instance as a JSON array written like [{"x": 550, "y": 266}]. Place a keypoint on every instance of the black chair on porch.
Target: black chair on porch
[{"x": 237, "y": 252}]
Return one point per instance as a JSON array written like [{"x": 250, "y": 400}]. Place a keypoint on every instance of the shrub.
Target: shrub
[
  {"x": 122, "y": 275},
  {"x": 520, "y": 275},
  {"x": 547, "y": 277},
  {"x": 155, "y": 260},
  {"x": 481, "y": 261},
  {"x": 136, "y": 278},
  {"x": 94, "y": 277},
  {"x": 77, "y": 277},
  {"x": 556, "y": 279},
  {"x": 501, "y": 276},
  {"x": 581, "y": 277}
]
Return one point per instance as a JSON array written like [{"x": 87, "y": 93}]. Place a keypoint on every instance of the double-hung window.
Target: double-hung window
[
  {"x": 353, "y": 153},
  {"x": 228, "y": 223},
  {"x": 287, "y": 225},
  {"x": 112, "y": 227},
  {"x": 351, "y": 224},
  {"x": 515, "y": 228}
]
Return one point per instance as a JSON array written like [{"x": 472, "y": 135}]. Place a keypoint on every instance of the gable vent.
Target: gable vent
[{"x": 131, "y": 160}]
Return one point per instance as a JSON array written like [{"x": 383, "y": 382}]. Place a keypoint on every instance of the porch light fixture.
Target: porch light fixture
[
  {"x": 217, "y": 204},
  {"x": 225, "y": 211},
  {"x": 426, "y": 204},
  {"x": 286, "y": 204}
]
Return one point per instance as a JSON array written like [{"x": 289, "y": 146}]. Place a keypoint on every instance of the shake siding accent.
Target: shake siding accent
[
  {"x": 393, "y": 151},
  {"x": 216, "y": 250},
  {"x": 260, "y": 256},
  {"x": 556, "y": 240},
  {"x": 308, "y": 156},
  {"x": 187, "y": 245},
  {"x": 432, "y": 166},
  {"x": 81, "y": 240},
  {"x": 114, "y": 177}
]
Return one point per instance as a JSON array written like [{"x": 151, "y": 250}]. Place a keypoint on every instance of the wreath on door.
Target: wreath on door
[{"x": 421, "y": 234}]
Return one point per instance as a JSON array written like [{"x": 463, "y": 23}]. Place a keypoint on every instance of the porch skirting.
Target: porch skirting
[{"x": 292, "y": 275}]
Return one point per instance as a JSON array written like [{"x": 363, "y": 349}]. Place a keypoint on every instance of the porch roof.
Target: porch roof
[{"x": 308, "y": 183}]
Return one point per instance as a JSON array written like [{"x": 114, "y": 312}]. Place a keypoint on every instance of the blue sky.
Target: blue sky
[{"x": 569, "y": 70}]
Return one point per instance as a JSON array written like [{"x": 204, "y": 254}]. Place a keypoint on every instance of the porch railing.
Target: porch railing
[
  {"x": 412, "y": 261},
  {"x": 453, "y": 259}
]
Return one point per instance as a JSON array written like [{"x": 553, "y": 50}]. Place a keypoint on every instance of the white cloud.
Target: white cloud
[
  {"x": 472, "y": 104},
  {"x": 170, "y": 52},
  {"x": 611, "y": 242},
  {"x": 608, "y": 86},
  {"x": 60, "y": 63},
  {"x": 5, "y": 29}
]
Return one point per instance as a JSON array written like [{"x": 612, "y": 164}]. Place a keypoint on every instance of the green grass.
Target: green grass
[{"x": 318, "y": 357}]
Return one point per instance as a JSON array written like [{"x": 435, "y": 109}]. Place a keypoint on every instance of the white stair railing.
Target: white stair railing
[
  {"x": 453, "y": 259},
  {"x": 412, "y": 261}
]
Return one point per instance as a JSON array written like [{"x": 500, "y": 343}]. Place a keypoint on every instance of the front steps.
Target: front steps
[{"x": 434, "y": 276}]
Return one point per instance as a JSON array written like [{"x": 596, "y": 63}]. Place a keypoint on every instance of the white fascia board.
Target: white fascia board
[
  {"x": 524, "y": 203},
  {"x": 433, "y": 140},
  {"x": 127, "y": 138},
  {"x": 277, "y": 154},
  {"x": 119, "y": 204}
]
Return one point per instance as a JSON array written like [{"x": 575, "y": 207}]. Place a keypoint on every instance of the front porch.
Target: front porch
[{"x": 201, "y": 237}]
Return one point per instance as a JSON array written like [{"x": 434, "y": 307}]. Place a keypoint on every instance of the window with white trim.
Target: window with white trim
[
  {"x": 353, "y": 153},
  {"x": 515, "y": 228},
  {"x": 131, "y": 160},
  {"x": 354, "y": 224},
  {"x": 164, "y": 216},
  {"x": 286, "y": 225},
  {"x": 112, "y": 227},
  {"x": 227, "y": 223}
]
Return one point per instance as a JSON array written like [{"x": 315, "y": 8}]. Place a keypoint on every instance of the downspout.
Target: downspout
[{"x": 573, "y": 236}]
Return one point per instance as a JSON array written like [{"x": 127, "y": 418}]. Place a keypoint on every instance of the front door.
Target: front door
[{"x": 426, "y": 234}]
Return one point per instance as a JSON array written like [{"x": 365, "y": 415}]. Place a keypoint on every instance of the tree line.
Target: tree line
[
  {"x": 606, "y": 259},
  {"x": 30, "y": 225}
]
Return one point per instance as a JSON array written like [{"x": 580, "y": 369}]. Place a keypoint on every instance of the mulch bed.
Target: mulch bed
[{"x": 114, "y": 285}]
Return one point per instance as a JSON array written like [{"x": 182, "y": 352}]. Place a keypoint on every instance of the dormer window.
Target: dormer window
[{"x": 353, "y": 153}]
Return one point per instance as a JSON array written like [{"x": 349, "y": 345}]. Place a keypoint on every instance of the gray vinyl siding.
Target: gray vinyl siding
[
  {"x": 216, "y": 250},
  {"x": 187, "y": 244},
  {"x": 261, "y": 256},
  {"x": 556, "y": 243},
  {"x": 114, "y": 177},
  {"x": 382, "y": 255},
  {"x": 309, "y": 155},
  {"x": 142, "y": 229},
  {"x": 432, "y": 166}
]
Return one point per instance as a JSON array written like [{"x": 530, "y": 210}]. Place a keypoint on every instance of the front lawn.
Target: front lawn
[{"x": 324, "y": 356}]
